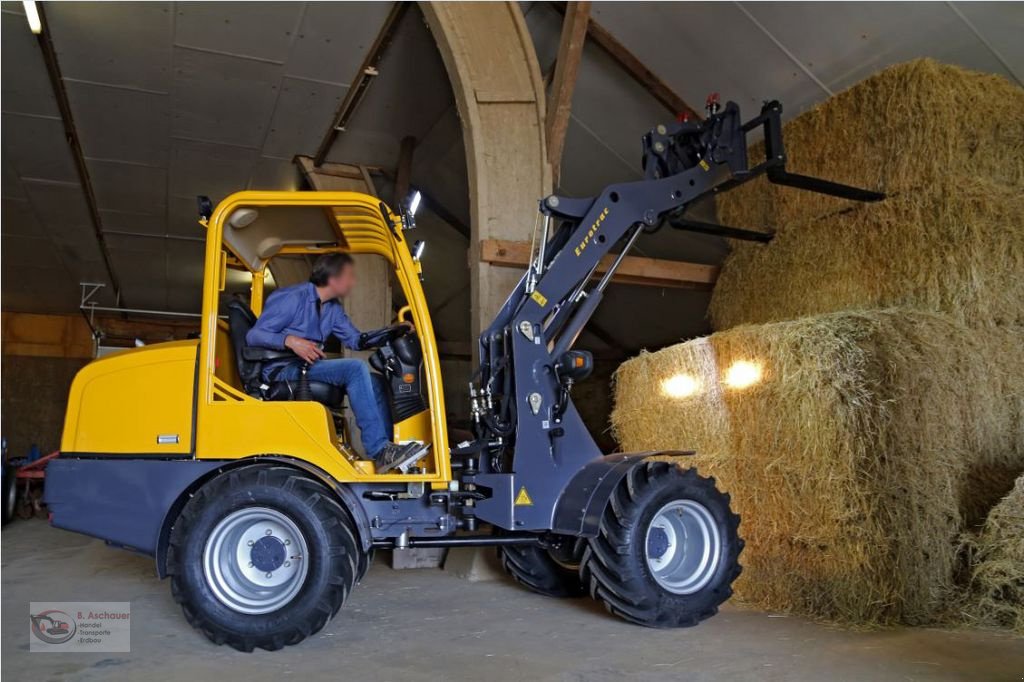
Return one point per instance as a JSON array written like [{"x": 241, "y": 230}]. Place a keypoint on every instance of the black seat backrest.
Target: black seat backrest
[{"x": 240, "y": 321}]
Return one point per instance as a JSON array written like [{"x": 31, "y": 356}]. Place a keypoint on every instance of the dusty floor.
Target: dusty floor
[{"x": 428, "y": 625}]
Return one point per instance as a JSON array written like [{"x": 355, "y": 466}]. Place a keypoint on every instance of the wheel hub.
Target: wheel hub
[
  {"x": 255, "y": 560},
  {"x": 657, "y": 543},
  {"x": 268, "y": 554},
  {"x": 683, "y": 547}
]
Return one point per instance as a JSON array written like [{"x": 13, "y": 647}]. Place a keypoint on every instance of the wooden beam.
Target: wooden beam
[
  {"x": 635, "y": 68},
  {"x": 359, "y": 84},
  {"x": 403, "y": 173},
  {"x": 347, "y": 171},
  {"x": 53, "y": 336},
  {"x": 371, "y": 188},
  {"x": 120, "y": 331},
  {"x": 310, "y": 171},
  {"x": 336, "y": 176},
  {"x": 567, "y": 64},
  {"x": 69, "y": 336},
  {"x": 652, "y": 272}
]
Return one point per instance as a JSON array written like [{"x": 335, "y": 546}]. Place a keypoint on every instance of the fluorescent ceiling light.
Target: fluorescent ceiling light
[
  {"x": 414, "y": 205},
  {"x": 35, "y": 24}
]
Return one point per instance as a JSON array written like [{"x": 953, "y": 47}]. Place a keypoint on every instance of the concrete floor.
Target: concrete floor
[{"x": 428, "y": 625}]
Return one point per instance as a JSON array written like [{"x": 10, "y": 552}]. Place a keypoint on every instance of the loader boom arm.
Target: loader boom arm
[
  {"x": 522, "y": 412},
  {"x": 683, "y": 163}
]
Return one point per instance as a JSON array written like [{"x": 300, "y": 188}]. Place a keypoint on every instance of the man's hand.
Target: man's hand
[
  {"x": 304, "y": 348},
  {"x": 409, "y": 325}
]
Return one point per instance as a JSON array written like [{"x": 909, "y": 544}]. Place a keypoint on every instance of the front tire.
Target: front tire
[
  {"x": 262, "y": 557},
  {"x": 668, "y": 548}
]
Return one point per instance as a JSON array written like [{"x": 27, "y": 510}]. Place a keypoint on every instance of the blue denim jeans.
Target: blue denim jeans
[{"x": 366, "y": 394}]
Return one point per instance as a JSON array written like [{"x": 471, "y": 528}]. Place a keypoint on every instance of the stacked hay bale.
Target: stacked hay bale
[
  {"x": 997, "y": 559},
  {"x": 960, "y": 252},
  {"x": 851, "y": 443},
  {"x": 875, "y": 410},
  {"x": 947, "y": 147}
]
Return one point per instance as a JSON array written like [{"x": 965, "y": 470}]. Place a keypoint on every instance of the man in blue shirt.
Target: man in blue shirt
[{"x": 300, "y": 318}]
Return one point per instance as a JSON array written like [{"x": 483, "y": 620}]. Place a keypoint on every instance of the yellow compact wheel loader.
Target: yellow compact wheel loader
[{"x": 253, "y": 499}]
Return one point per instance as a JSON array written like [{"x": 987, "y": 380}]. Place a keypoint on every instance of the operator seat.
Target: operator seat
[{"x": 250, "y": 361}]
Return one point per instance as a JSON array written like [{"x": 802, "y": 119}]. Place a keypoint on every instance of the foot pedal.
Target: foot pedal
[
  {"x": 418, "y": 453},
  {"x": 415, "y": 452}
]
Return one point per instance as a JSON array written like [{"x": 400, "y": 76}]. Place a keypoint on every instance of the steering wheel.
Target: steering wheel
[{"x": 379, "y": 337}]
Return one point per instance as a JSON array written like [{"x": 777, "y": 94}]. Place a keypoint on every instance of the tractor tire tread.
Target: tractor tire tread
[
  {"x": 614, "y": 570},
  {"x": 343, "y": 552},
  {"x": 532, "y": 567}
]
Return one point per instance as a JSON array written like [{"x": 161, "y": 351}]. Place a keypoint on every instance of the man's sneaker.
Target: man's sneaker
[{"x": 395, "y": 456}]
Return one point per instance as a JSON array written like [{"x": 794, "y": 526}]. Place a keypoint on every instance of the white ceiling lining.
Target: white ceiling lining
[
  {"x": 177, "y": 99},
  {"x": 411, "y": 93},
  {"x": 852, "y": 40},
  {"x": 121, "y": 44},
  {"x": 303, "y": 112},
  {"x": 170, "y": 101},
  {"x": 36, "y": 148},
  {"x": 25, "y": 88},
  {"x": 121, "y": 124},
  {"x": 19, "y": 219}
]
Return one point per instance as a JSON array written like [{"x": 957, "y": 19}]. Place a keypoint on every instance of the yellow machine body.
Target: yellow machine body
[{"x": 184, "y": 398}]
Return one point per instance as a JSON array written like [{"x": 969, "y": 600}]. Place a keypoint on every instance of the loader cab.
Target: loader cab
[{"x": 259, "y": 241}]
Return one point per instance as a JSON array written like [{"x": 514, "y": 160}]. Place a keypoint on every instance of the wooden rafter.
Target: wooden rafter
[
  {"x": 70, "y": 336},
  {"x": 327, "y": 176},
  {"x": 653, "y": 272},
  {"x": 570, "y": 51},
  {"x": 361, "y": 82},
  {"x": 634, "y": 67}
]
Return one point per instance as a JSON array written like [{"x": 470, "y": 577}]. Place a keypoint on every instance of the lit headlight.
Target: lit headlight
[
  {"x": 742, "y": 374},
  {"x": 680, "y": 386}
]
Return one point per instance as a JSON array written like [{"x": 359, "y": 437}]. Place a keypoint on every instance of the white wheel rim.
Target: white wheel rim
[
  {"x": 255, "y": 560},
  {"x": 683, "y": 547}
]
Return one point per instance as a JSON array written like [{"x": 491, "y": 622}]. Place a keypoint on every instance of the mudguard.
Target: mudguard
[
  {"x": 133, "y": 502},
  {"x": 345, "y": 496},
  {"x": 579, "y": 509},
  {"x": 122, "y": 500}
]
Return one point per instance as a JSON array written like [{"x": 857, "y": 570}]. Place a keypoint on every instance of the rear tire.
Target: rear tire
[
  {"x": 262, "y": 557},
  {"x": 668, "y": 548},
  {"x": 547, "y": 572}
]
